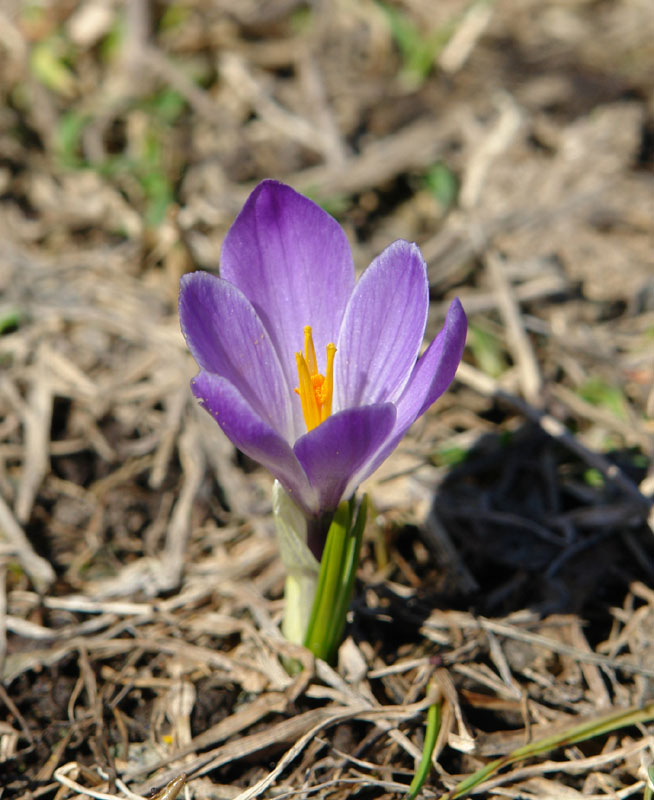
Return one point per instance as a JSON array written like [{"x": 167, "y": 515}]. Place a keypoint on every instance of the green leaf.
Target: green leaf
[
  {"x": 431, "y": 735},
  {"x": 580, "y": 732}
]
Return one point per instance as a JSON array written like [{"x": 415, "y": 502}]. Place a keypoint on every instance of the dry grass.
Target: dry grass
[{"x": 510, "y": 558}]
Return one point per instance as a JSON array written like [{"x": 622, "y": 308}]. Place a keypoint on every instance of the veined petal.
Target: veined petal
[
  {"x": 430, "y": 378},
  {"x": 293, "y": 262},
  {"x": 435, "y": 368},
  {"x": 382, "y": 329},
  {"x": 251, "y": 434},
  {"x": 340, "y": 446},
  {"x": 226, "y": 337}
]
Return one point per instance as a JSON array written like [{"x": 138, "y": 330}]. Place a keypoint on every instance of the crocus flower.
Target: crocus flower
[{"x": 311, "y": 374}]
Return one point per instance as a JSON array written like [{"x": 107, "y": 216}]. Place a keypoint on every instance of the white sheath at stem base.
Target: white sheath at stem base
[{"x": 301, "y": 565}]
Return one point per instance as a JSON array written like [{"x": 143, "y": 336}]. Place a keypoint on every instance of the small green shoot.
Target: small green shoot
[
  {"x": 68, "y": 135},
  {"x": 10, "y": 319},
  {"x": 449, "y": 456},
  {"x": 576, "y": 733},
  {"x": 32, "y": 12},
  {"x": 49, "y": 63},
  {"x": 165, "y": 105},
  {"x": 151, "y": 172},
  {"x": 148, "y": 166},
  {"x": 487, "y": 351},
  {"x": 593, "y": 477},
  {"x": 15, "y": 570},
  {"x": 649, "y": 786},
  {"x": 640, "y": 460},
  {"x": 434, "y": 716},
  {"x": 112, "y": 43},
  {"x": 599, "y": 393},
  {"x": 418, "y": 50},
  {"x": 442, "y": 183},
  {"x": 174, "y": 17},
  {"x": 301, "y": 19},
  {"x": 335, "y": 204}
]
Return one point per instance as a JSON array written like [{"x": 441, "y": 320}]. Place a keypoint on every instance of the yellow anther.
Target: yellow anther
[
  {"x": 315, "y": 390},
  {"x": 310, "y": 351},
  {"x": 307, "y": 394},
  {"x": 328, "y": 385}
]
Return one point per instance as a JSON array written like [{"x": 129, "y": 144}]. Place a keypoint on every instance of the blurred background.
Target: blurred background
[{"x": 140, "y": 583}]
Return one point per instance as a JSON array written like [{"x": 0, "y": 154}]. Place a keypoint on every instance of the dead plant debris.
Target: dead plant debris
[{"x": 510, "y": 555}]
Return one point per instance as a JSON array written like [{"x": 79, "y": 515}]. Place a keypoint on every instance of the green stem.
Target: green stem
[
  {"x": 348, "y": 573},
  {"x": 316, "y": 638},
  {"x": 338, "y": 568}
]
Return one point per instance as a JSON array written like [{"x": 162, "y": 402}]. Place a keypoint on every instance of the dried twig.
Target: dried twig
[{"x": 36, "y": 567}]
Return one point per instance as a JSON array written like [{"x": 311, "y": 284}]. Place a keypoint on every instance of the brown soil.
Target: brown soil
[{"x": 509, "y": 559}]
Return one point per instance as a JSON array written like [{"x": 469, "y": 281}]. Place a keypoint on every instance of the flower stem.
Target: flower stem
[{"x": 338, "y": 567}]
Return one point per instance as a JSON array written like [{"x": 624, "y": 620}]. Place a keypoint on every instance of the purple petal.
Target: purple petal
[
  {"x": 435, "y": 368},
  {"x": 382, "y": 329},
  {"x": 293, "y": 262},
  {"x": 432, "y": 375},
  {"x": 340, "y": 446},
  {"x": 254, "y": 437},
  {"x": 226, "y": 337}
]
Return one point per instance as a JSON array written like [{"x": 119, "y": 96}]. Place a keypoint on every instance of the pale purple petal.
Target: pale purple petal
[
  {"x": 226, "y": 337},
  {"x": 287, "y": 264},
  {"x": 247, "y": 431},
  {"x": 382, "y": 329},
  {"x": 430, "y": 378},
  {"x": 435, "y": 368},
  {"x": 293, "y": 262},
  {"x": 340, "y": 446}
]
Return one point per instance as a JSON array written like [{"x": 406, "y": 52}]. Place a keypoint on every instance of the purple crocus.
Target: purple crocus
[{"x": 321, "y": 417}]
